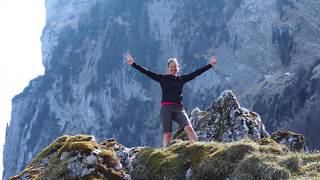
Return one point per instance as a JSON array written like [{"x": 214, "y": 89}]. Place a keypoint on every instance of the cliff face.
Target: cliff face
[
  {"x": 289, "y": 98},
  {"x": 88, "y": 88},
  {"x": 290, "y": 101}
]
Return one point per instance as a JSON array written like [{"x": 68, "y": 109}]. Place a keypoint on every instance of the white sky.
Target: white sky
[{"x": 21, "y": 24}]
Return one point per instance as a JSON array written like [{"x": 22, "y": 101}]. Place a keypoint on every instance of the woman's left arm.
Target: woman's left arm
[{"x": 189, "y": 77}]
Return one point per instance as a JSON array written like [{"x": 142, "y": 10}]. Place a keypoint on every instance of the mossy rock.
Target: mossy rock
[
  {"x": 259, "y": 166},
  {"x": 243, "y": 159},
  {"x": 82, "y": 143},
  {"x": 294, "y": 141},
  {"x": 49, "y": 163}
]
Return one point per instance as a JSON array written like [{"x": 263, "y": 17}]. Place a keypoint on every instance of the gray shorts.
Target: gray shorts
[{"x": 169, "y": 112}]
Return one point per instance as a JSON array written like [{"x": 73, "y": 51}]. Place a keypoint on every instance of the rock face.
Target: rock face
[{"x": 87, "y": 88}]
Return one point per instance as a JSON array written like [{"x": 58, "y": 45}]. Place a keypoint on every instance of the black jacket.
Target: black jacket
[{"x": 171, "y": 86}]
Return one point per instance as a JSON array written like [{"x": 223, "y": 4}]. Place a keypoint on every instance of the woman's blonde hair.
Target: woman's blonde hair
[{"x": 172, "y": 60}]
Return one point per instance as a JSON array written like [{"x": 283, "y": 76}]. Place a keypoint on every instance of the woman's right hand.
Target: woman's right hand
[
  {"x": 213, "y": 60},
  {"x": 129, "y": 59}
]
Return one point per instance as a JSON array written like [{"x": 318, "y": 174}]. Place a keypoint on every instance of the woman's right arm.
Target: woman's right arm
[{"x": 142, "y": 69}]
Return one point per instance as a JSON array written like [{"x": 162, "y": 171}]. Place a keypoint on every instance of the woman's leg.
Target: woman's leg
[
  {"x": 166, "y": 119},
  {"x": 166, "y": 138},
  {"x": 182, "y": 119},
  {"x": 190, "y": 133}
]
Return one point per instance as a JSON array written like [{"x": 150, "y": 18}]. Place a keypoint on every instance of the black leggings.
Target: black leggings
[{"x": 169, "y": 112}]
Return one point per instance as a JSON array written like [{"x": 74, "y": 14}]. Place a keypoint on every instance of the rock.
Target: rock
[
  {"x": 96, "y": 151},
  {"x": 225, "y": 121},
  {"x": 91, "y": 159},
  {"x": 188, "y": 174},
  {"x": 64, "y": 155},
  {"x": 118, "y": 166},
  {"x": 79, "y": 157},
  {"x": 294, "y": 141},
  {"x": 127, "y": 177},
  {"x": 126, "y": 155}
]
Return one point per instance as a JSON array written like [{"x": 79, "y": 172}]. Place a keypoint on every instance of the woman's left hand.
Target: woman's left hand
[{"x": 213, "y": 60}]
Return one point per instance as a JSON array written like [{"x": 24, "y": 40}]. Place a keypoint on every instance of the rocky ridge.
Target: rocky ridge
[{"x": 242, "y": 153}]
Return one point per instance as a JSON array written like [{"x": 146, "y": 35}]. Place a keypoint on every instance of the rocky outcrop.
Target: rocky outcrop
[
  {"x": 81, "y": 157},
  {"x": 73, "y": 157},
  {"x": 233, "y": 144},
  {"x": 226, "y": 121}
]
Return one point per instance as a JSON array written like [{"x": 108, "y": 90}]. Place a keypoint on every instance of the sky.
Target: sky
[{"x": 21, "y": 24}]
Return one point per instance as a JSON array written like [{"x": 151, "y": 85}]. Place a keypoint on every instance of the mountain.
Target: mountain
[{"x": 88, "y": 88}]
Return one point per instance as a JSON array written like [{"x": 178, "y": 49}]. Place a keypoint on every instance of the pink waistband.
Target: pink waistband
[{"x": 166, "y": 102}]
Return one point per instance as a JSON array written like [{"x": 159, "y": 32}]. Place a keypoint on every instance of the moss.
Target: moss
[
  {"x": 267, "y": 141},
  {"x": 220, "y": 164},
  {"x": 204, "y": 158},
  {"x": 56, "y": 169},
  {"x": 110, "y": 173},
  {"x": 194, "y": 152},
  {"x": 171, "y": 162},
  {"x": 258, "y": 166},
  {"x": 82, "y": 146},
  {"x": 35, "y": 168},
  {"x": 293, "y": 163},
  {"x": 310, "y": 157},
  {"x": 53, "y": 147},
  {"x": 243, "y": 159},
  {"x": 109, "y": 157},
  {"x": 272, "y": 149},
  {"x": 82, "y": 143},
  {"x": 237, "y": 160},
  {"x": 31, "y": 173},
  {"x": 311, "y": 169},
  {"x": 109, "y": 143},
  {"x": 268, "y": 145}
]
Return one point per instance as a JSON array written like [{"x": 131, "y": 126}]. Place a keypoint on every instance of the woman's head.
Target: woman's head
[{"x": 173, "y": 66}]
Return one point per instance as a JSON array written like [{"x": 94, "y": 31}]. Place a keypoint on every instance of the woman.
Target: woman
[{"x": 171, "y": 103}]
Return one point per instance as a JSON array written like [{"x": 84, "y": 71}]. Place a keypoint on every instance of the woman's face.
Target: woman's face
[{"x": 173, "y": 68}]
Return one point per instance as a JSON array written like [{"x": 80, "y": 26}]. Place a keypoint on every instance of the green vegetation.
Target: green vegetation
[{"x": 244, "y": 159}]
